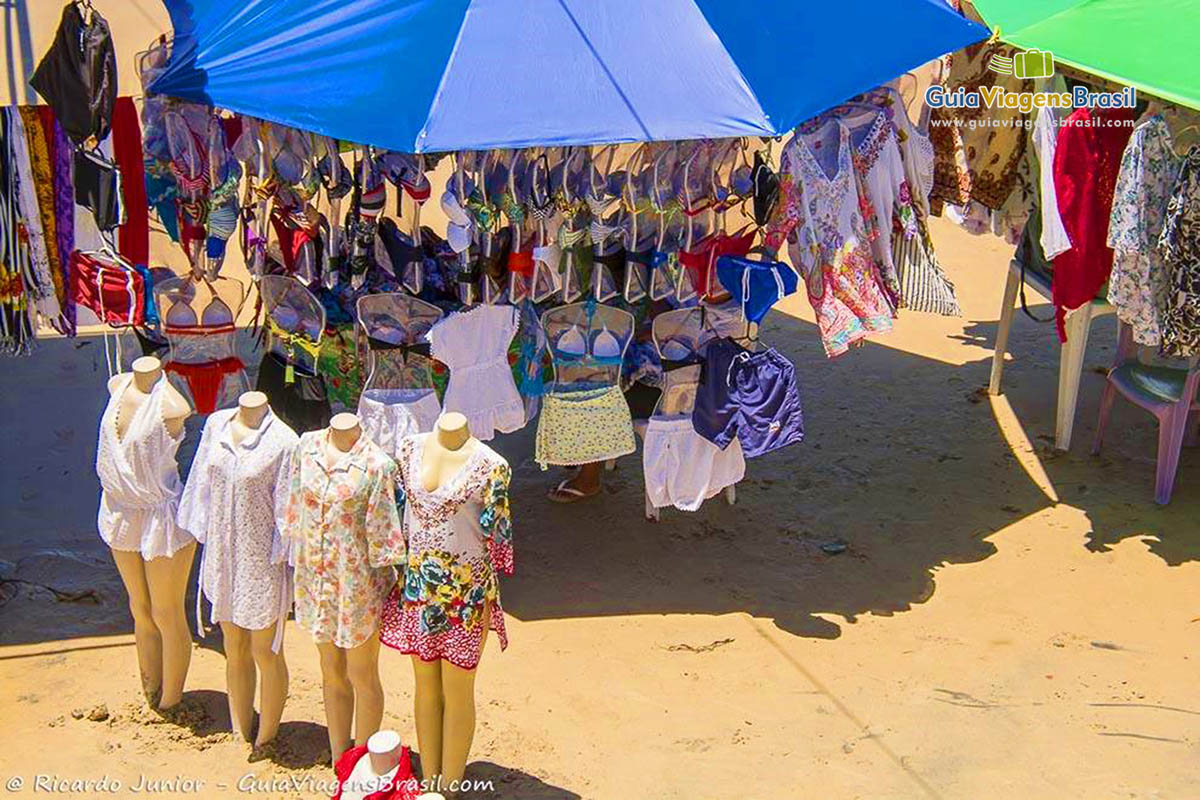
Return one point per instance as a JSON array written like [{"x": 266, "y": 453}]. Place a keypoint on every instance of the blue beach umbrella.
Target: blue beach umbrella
[{"x": 431, "y": 75}]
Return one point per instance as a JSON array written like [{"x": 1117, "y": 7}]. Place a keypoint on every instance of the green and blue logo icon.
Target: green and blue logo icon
[{"x": 1026, "y": 64}]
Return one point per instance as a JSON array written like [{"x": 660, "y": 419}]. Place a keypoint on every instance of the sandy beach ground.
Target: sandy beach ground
[{"x": 1005, "y": 620}]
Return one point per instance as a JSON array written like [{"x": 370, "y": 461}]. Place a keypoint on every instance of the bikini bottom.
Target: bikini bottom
[
  {"x": 756, "y": 285},
  {"x": 205, "y": 379},
  {"x": 301, "y": 402}
]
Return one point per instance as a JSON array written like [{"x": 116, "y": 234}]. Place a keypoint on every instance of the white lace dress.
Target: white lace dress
[
  {"x": 139, "y": 479},
  {"x": 230, "y": 505},
  {"x": 474, "y": 345}
]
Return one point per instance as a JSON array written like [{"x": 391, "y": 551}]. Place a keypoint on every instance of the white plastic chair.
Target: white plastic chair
[{"x": 1070, "y": 363}]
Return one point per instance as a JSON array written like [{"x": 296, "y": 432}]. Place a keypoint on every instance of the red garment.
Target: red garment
[
  {"x": 404, "y": 784},
  {"x": 1086, "y": 162},
  {"x": 134, "y": 236},
  {"x": 204, "y": 379},
  {"x": 116, "y": 294},
  {"x": 520, "y": 263},
  {"x": 701, "y": 262}
]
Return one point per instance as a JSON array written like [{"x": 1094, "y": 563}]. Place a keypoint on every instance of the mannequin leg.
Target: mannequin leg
[
  {"x": 458, "y": 726},
  {"x": 239, "y": 678},
  {"x": 363, "y": 668},
  {"x": 145, "y": 634},
  {"x": 272, "y": 669},
  {"x": 428, "y": 706},
  {"x": 167, "y": 579},
  {"x": 339, "y": 697},
  {"x": 458, "y": 721}
]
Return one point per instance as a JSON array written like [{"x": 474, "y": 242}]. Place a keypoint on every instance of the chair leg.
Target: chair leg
[
  {"x": 1070, "y": 367},
  {"x": 731, "y": 494},
  {"x": 1007, "y": 309},
  {"x": 651, "y": 511},
  {"x": 1106, "y": 405},
  {"x": 1171, "y": 428}
]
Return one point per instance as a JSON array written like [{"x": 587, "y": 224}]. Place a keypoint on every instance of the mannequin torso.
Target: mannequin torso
[
  {"x": 446, "y": 451},
  {"x": 147, "y": 372}
]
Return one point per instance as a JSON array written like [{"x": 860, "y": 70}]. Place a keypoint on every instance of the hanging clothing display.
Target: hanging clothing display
[
  {"x": 977, "y": 149},
  {"x": 42, "y": 166},
  {"x": 1139, "y": 285},
  {"x": 1054, "y": 237},
  {"x": 299, "y": 398},
  {"x": 389, "y": 416},
  {"x": 78, "y": 75},
  {"x": 234, "y": 495},
  {"x": 474, "y": 345},
  {"x": 821, "y": 215},
  {"x": 1179, "y": 246},
  {"x": 584, "y": 426},
  {"x": 682, "y": 468},
  {"x": 139, "y": 480},
  {"x": 1086, "y": 161},
  {"x": 343, "y": 528},
  {"x": 459, "y": 539},
  {"x": 133, "y": 237},
  {"x": 25, "y": 283},
  {"x": 749, "y": 396}
]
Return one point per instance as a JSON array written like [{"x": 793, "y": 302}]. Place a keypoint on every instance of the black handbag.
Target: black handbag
[{"x": 98, "y": 188}]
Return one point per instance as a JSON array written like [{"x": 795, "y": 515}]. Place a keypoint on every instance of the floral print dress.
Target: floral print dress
[
  {"x": 1179, "y": 246},
  {"x": 459, "y": 536},
  {"x": 343, "y": 527},
  {"x": 1137, "y": 287},
  {"x": 824, "y": 217}
]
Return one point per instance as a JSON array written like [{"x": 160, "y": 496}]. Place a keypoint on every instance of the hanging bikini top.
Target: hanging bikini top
[
  {"x": 293, "y": 339},
  {"x": 383, "y": 345},
  {"x": 573, "y": 346},
  {"x": 181, "y": 318}
]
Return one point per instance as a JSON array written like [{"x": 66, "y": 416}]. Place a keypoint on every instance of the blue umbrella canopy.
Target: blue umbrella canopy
[{"x": 433, "y": 75}]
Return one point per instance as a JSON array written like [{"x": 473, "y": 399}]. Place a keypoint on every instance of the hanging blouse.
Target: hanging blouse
[
  {"x": 474, "y": 344},
  {"x": 822, "y": 217},
  {"x": 1138, "y": 286},
  {"x": 1086, "y": 161},
  {"x": 139, "y": 478},
  {"x": 343, "y": 531},
  {"x": 459, "y": 536},
  {"x": 1179, "y": 247},
  {"x": 977, "y": 150},
  {"x": 1054, "y": 237},
  {"x": 230, "y": 504},
  {"x": 879, "y": 165}
]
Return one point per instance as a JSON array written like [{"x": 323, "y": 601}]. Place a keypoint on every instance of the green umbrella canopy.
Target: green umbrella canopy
[{"x": 1153, "y": 45}]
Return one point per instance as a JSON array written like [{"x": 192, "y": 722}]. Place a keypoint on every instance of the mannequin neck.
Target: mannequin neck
[
  {"x": 145, "y": 379},
  {"x": 344, "y": 439},
  {"x": 383, "y": 763},
  {"x": 252, "y": 416},
  {"x": 452, "y": 437}
]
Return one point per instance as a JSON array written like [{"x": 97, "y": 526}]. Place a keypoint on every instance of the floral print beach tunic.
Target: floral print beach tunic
[
  {"x": 459, "y": 536},
  {"x": 343, "y": 528}
]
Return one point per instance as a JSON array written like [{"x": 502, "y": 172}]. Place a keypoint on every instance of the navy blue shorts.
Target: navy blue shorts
[{"x": 750, "y": 396}]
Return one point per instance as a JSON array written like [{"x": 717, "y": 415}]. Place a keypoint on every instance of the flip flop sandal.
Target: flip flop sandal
[{"x": 566, "y": 494}]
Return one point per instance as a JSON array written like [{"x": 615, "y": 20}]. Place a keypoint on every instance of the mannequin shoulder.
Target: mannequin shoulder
[
  {"x": 116, "y": 382},
  {"x": 175, "y": 407}
]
